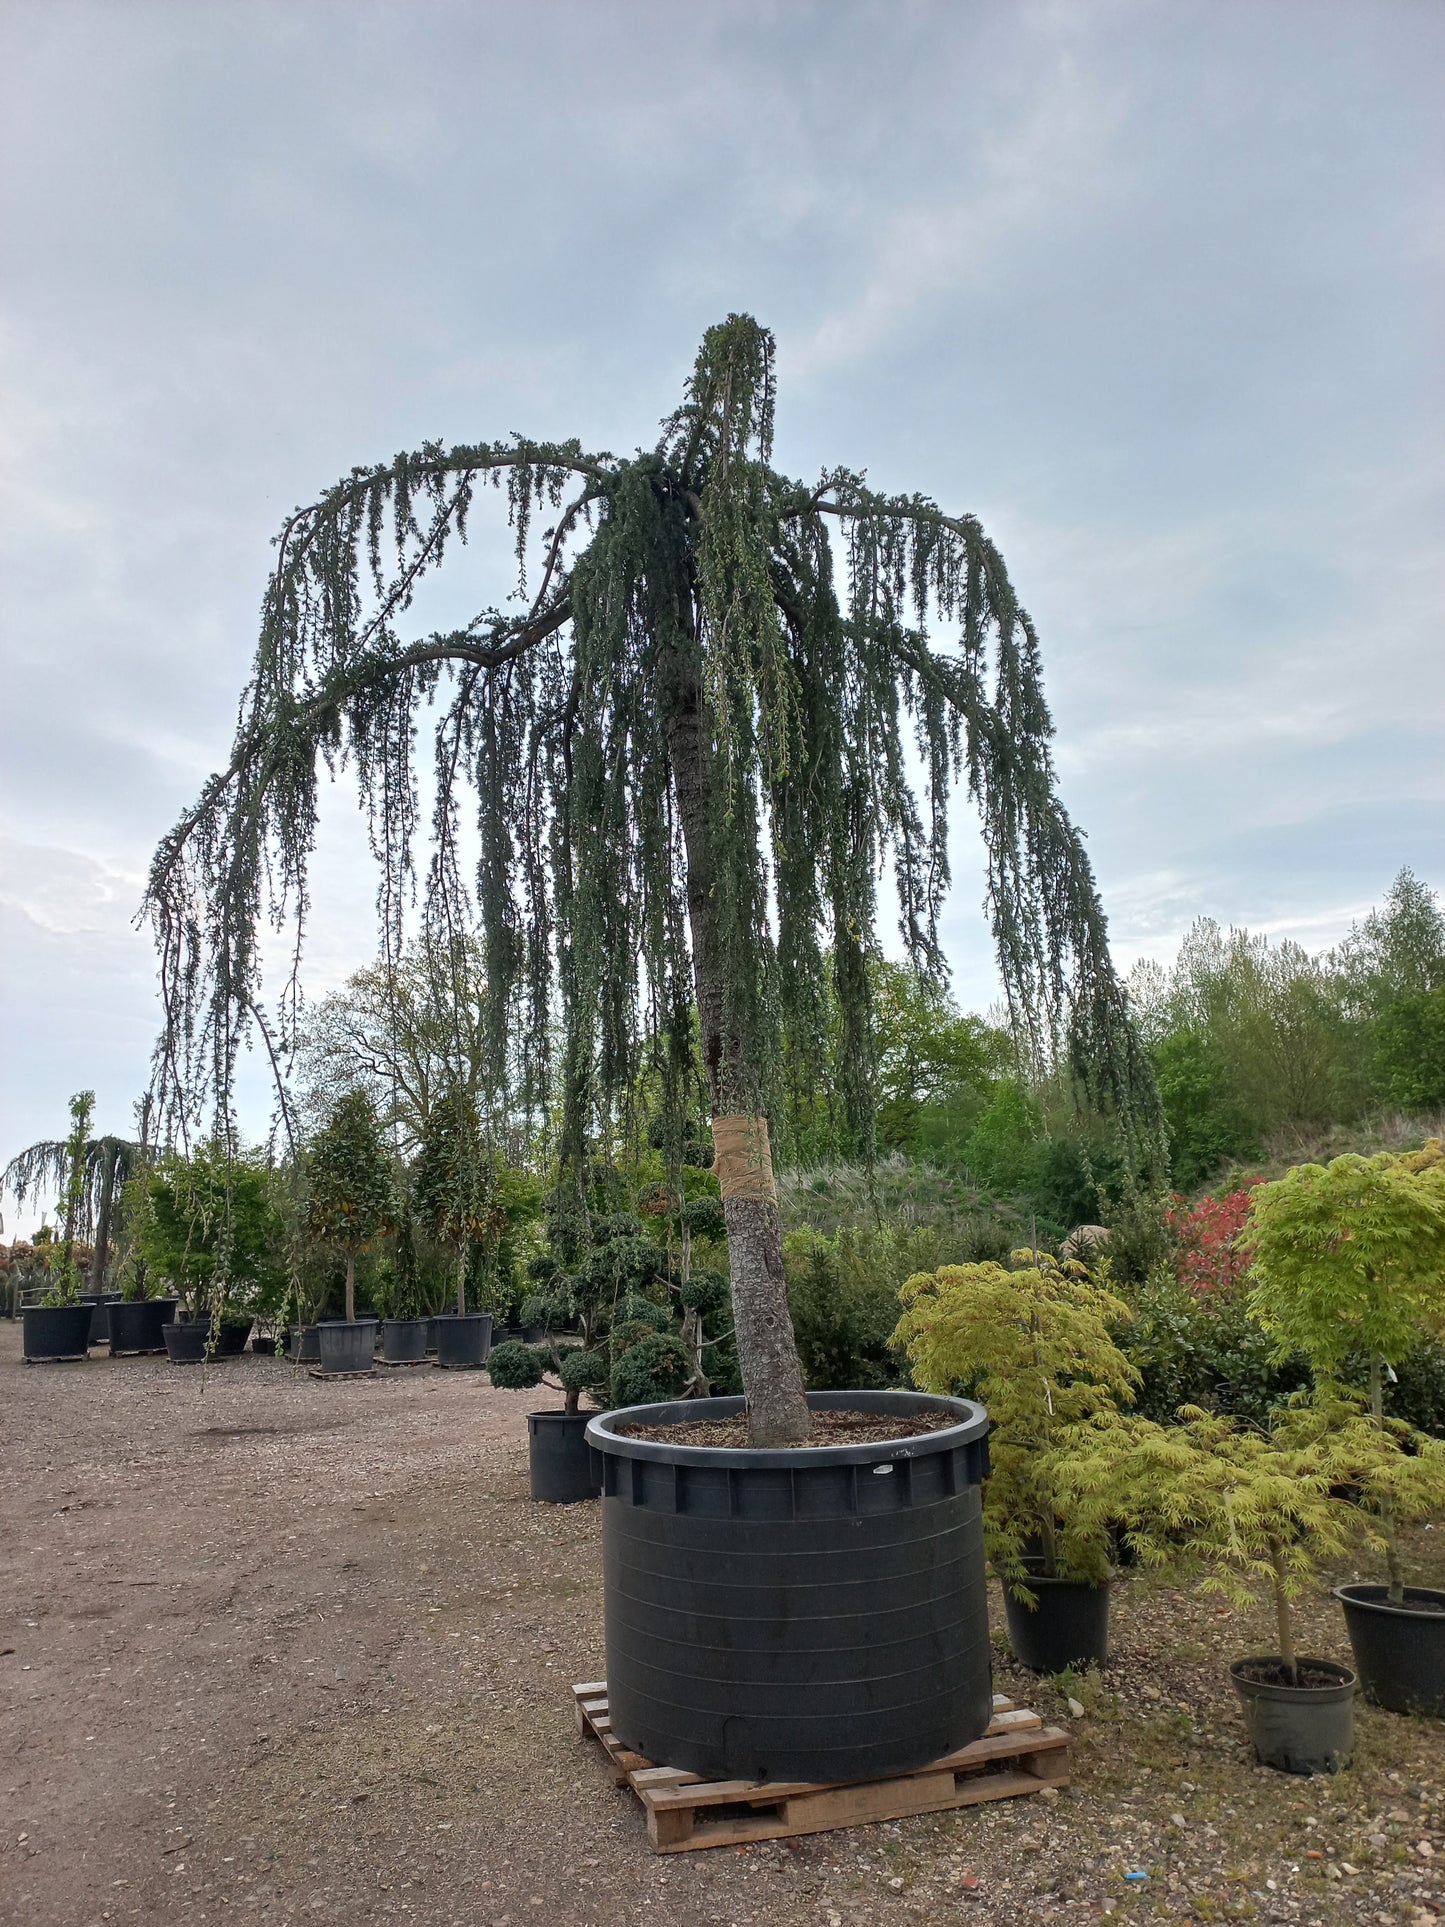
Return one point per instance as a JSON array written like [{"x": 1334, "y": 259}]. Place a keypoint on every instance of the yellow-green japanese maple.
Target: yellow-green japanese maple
[
  {"x": 1033, "y": 1341},
  {"x": 1264, "y": 1507},
  {"x": 1349, "y": 1257}
]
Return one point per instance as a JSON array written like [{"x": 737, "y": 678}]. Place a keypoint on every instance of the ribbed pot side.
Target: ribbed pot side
[{"x": 801, "y": 1614}]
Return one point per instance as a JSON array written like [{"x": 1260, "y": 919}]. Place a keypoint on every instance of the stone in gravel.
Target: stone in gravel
[{"x": 1076, "y": 1711}]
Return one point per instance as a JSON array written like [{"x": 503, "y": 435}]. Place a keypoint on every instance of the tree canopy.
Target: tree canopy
[{"x": 689, "y": 746}]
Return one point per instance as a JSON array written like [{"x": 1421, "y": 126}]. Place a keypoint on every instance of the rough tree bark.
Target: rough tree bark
[{"x": 767, "y": 1352}]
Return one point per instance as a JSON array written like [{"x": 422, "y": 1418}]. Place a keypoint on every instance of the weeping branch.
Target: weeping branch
[{"x": 687, "y": 762}]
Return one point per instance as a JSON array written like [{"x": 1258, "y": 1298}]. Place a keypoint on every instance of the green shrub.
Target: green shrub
[
  {"x": 514, "y": 1367},
  {"x": 582, "y": 1371},
  {"x": 1193, "y": 1348},
  {"x": 843, "y": 1296},
  {"x": 656, "y": 1368}
]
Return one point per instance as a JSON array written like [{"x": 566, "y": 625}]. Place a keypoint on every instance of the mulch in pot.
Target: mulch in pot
[{"x": 832, "y": 1427}]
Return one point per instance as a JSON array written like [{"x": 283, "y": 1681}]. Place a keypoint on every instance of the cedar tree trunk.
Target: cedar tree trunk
[{"x": 767, "y": 1351}]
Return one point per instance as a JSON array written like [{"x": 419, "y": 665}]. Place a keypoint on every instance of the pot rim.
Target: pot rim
[
  {"x": 972, "y": 1425},
  {"x": 1347, "y": 1680},
  {"x": 1350, "y": 1596}
]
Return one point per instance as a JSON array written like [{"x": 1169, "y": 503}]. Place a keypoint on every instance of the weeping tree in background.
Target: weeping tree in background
[
  {"x": 88, "y": 1181},
  {"x": 687, "y": 746}
]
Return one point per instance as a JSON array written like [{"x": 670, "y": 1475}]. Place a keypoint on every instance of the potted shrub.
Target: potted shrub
[
  {"x": 456, "y": 1197},
  {"x": 209, "y": 1227},
  {"x": 139, "y": 1316},
  {"x": 405, "y": 1326},
  {"x": 350, "y": 1203},
  {"x": 1032, "y": 1342},
  {"x": 561, "y": 1463},
  {"x": 1349, "y": 1258},
  {"x": 59, "y": 1326}
]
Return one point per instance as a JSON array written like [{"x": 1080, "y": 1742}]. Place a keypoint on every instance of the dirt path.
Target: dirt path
[{"x": 296, "y": 1652}]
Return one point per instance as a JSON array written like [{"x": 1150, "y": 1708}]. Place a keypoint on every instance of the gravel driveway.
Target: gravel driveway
[{"x": 295, "y": 1652}]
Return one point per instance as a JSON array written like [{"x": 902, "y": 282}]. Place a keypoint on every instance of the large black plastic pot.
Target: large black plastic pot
[
  {"x": 565, "y": 1469},
  {"x": 100, "y": 1304},
  {"x": 231, "y": 1339},
  {"x": 1068, "y": 1627},
  {"x": 1399, "y": 1650},
  {"x": 463, "y": 1339},
  {"x": 1299, "y": 1729},
  {"x": 404, "y": 1340},
  {"x": 347, "y": 1345},
  {"x": 186, "y": 1343},
  {"x": 798, "y": 1614},
  {"x": 263, "y": 1346},
  {"x": 306, "y": 1344},
  {"x": 138, "y": 1324},
  {"x": 56, "y": 1331}
]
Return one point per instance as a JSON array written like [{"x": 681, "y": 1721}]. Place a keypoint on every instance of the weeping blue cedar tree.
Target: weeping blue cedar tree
[{"x": 687, "y": 750}]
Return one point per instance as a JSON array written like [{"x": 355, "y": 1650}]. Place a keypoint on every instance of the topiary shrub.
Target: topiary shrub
[
  {"x": 583, "y": 1371},
  {"x": 514, "y": 1367},
  {"x": 704, "y": 1291},
  {"x": 656, "y": 1368}
]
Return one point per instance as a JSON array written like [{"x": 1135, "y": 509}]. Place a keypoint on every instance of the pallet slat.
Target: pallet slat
[{"x": 1018, "y": 1756}]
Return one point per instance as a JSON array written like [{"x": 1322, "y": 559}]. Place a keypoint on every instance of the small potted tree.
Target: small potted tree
[
  {"x": 1260, "y": 1508},
  {"x": 209, "y": 1229},
  {"x": 1031, "y": 1342},
  {"x": 405, "y": 1327},
  {"x": 561, "y": 1464},
  {"x": 59, "y": 1326},
  {"x": 351, "y": 1202},
  {"x": 1349, "y": 1258},
  {"x": 455, "y": 1196}
]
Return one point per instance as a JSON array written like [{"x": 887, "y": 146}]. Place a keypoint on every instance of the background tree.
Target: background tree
[
  {"x": 351, "y": 1190},
  {"x": 405, "y": 1031},
  {"x": 684, "y": 723},
  {"x": 105, "y": 1166},
  {"x": 213, "y": 1228},
  {"x": 455, "y": 1190}
]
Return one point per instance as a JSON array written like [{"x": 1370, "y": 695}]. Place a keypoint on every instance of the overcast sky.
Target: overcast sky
[{"x": 1155, "y": 289}]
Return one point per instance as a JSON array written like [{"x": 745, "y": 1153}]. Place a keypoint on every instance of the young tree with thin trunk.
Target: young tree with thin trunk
[
  {"x": 351, "y": 1195},
  {"x": 691, "y": 748}
]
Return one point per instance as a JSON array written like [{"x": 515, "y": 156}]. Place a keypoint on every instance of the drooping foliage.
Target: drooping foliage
[
  {"x": 86, "y": 1176},
  {"x": 699, "y": 726}
]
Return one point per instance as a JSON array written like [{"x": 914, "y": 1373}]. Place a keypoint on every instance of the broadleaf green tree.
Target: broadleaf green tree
[
  {"x": 351, "y": 1186},
  {"x": 689, "y": 750},
  {"x": 455, "y": 1190}
]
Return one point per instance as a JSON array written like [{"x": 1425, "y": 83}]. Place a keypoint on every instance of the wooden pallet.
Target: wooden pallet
[{"x": 1017, "y": 1755}]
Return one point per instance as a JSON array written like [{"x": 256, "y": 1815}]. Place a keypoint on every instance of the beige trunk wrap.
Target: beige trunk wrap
[{"x": 743, "y": 1163}]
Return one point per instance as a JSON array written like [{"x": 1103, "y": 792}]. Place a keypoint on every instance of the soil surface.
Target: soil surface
[
  {"x": 290, "y": 1651},
  {"x": 834, "y": 1427},
  {"x": 1274, "y": 1672}
]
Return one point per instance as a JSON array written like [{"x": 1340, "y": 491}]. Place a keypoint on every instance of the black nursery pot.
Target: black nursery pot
[
  {"x": 796, "y": 1614},
  {"x": 1399, "y": 1650},
  {"x": 348, "y": 1345},
  {"x": 564, "y": 1467},
  {"x": 56, "y": 1331},
  {"x": 263, "y": 1347},
  {"x": 100, "y": 1304},
  {"x": 1299, "y": 1729},
  {"x": 404, "y": 1340},
  {"x": 1068, "y": 1627},
  {"x": 138, "y": 1324},
  {"x": 306, "y": 1344},
  {"x": 186, "y": 1343},
  {"x": 463, "y": 1339}
]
